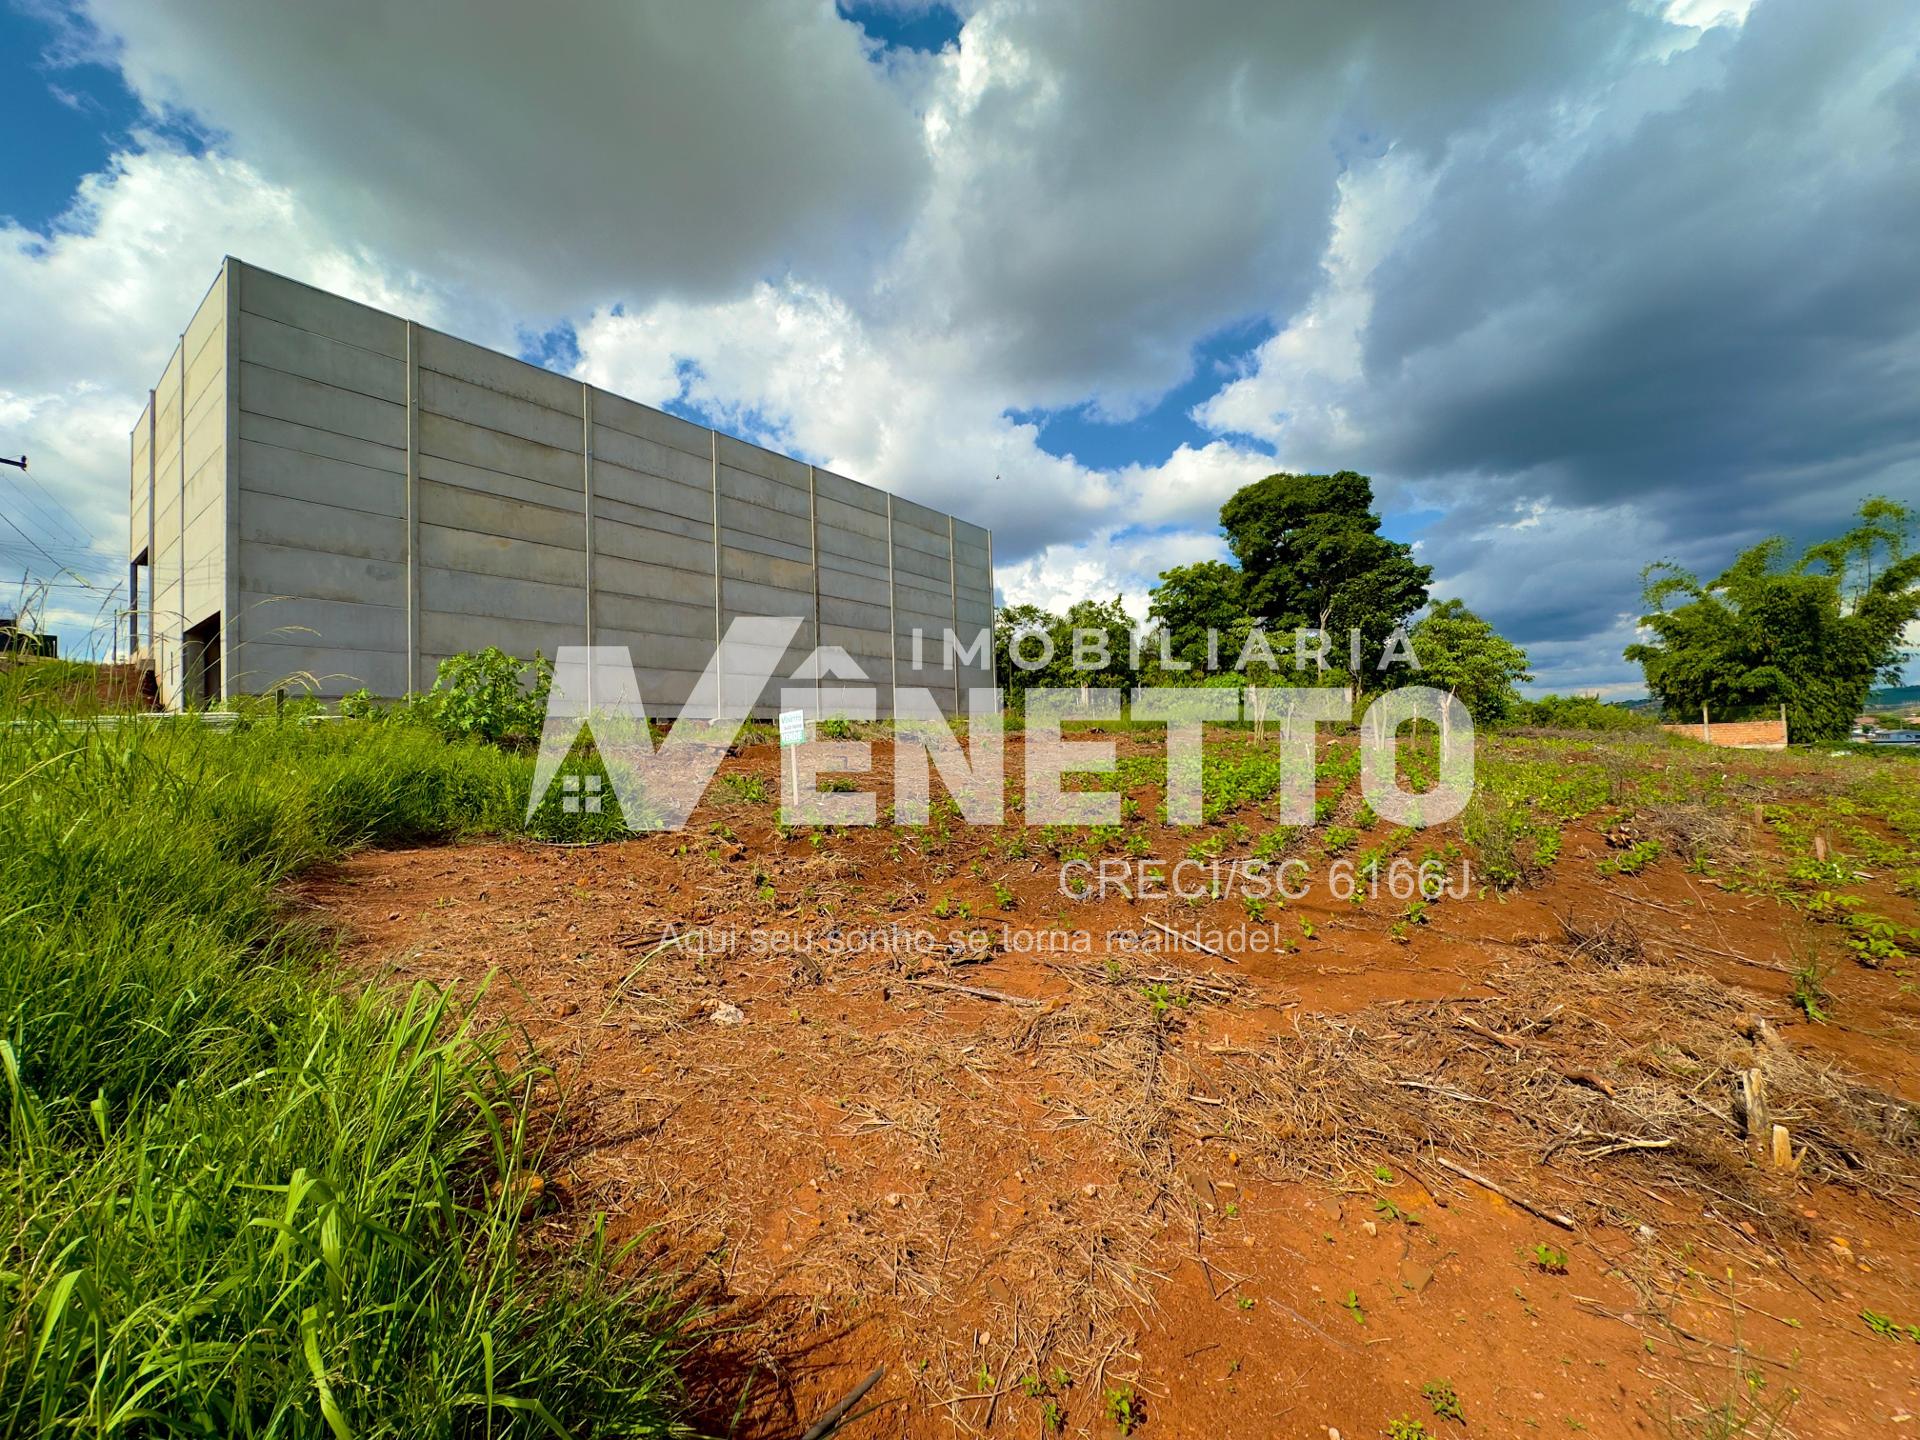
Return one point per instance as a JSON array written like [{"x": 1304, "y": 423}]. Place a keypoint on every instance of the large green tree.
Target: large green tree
[
  {"x": 1465, "y": 656},
  {"x": 1189, "y": 601},
  {"x": 1108, "y": 665},
  {"x": 1813, "y": 634},
  {"x": 1313, "y": 557}
]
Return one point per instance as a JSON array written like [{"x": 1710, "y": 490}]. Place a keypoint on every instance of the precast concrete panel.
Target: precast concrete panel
[{"x": 358, "y": 497}]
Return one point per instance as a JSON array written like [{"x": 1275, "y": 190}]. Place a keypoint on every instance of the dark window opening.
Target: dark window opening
[{"x": 200, "y": 664}]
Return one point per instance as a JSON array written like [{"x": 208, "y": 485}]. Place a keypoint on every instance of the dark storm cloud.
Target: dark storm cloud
[{"x": 1672, "y": 312}]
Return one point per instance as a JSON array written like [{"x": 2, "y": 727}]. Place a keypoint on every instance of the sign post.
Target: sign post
[{"x": 793, "y": 731}]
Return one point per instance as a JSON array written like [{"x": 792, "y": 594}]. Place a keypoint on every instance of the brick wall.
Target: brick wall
[{"x": 1738, "y": 734}]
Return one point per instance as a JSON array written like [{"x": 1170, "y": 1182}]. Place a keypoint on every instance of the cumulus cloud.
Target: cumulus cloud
[
  {"x": 1672, "y": 306},
  {"x": 1591, "y": 283},
  {"x": 548, "y": 154},
  {"x": 95, "y": 309}
]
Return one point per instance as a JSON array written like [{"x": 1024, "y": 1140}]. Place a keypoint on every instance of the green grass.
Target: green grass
[{"x": 237, "y": 1196}]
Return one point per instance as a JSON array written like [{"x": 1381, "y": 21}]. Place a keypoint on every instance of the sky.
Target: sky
[{"x": 1581, "y": 285}]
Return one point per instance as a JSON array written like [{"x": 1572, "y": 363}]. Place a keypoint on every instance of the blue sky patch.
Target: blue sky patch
[
  {"x": 929, "y": 27},
  {"x": 1080, "y": 432},
  {"x": 64, "y": 117}
]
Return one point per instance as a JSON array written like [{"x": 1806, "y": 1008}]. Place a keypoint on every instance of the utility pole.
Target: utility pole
[{"x": 19, "y": 464}]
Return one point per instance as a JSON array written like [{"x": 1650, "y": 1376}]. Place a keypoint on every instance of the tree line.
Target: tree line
[
  {"x": 1812, "y": 634},
  {"x": 1308, "y": 560}
]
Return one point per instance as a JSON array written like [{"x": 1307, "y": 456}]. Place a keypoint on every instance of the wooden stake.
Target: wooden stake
[
  {"x": 1750, "y": 1107},
  {"x": 1783, "y": 1149}
]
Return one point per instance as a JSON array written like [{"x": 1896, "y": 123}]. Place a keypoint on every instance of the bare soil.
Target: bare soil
[{"x": 1071, "y": 1175}]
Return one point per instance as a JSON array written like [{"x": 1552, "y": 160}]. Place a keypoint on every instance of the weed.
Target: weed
[
  {"x": 1163, "y": 998},
  {"x": 237, "y": 1199},
  {"x": 1353, "y": 1306},
  {"x": 479, "y": 696},
  {"x": 1389, "y": 1211},
  {"x": 745, "y": 785},
  {"x": 1809, "y": 993},
  {"x": 1444, "y": 1399},
  {"x": 1887, "y": 1328},
  {"x": 1407, "y": 1428},
  {"x": 1549, "y": 1260},
  {"x": 1632, "y": 860},
  {"x": 1124, "y": 1409}
]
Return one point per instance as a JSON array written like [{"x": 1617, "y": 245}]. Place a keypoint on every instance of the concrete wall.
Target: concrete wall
[
  {"x": 401, "y": 495},
  {"x": 178, "y": 489}
]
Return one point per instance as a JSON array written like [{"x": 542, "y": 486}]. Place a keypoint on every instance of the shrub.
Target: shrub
[
  {"x": 481, "y": 695},
  {"x": 359, "y": 705},
  {"x": 1580, "y": 712}
]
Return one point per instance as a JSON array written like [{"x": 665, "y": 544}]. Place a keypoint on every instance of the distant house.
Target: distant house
[{"x": 15, "y": 641}]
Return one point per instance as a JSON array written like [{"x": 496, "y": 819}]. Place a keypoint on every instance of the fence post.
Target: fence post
[{"x": 1706, "y": 726}]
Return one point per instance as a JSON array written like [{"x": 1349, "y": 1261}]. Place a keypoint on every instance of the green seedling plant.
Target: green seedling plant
[
  {"x": 1162, "y": 998},
  {"x": 1887, "y": 1328},
  {"x": 1809, "y": 991},
  {"x": 1632, "y": 860},
  {"x": 1444, "y": 1399},
  {"x": 1549, "y": 1260}
]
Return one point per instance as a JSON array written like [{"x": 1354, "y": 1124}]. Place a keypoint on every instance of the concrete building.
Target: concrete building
[{"x": 325, "y": 497}]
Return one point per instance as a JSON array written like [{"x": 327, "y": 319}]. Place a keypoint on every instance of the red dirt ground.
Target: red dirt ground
[{"x": 975, "y": 1190}]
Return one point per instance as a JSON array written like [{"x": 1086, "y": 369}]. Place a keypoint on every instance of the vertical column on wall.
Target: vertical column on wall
[
  {"x": 953, "y": 603},
  {"x": 893, "y": 623},
  {"x": 413, "y": 507},
  {"x": 813, "y": 546},
  {"x": 153, "y": 570},
  {"x": 133, "y": 570},
  {"x": 230, "y": 636},
  {"x": 180, "y": 516},
  {"x": 993, "y": 666},
  {"x": 719, "y": 600},
  {"x": 586, "y": 482}
]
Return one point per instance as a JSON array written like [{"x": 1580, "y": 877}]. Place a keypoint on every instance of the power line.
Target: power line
[
  {"x": 58, "y": 564},
  {"x": 59, "y": 518},
  {"x": 78, "y": 524}
]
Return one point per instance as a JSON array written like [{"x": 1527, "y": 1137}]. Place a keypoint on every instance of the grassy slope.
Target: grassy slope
[{"x": 235, "y": 1201}]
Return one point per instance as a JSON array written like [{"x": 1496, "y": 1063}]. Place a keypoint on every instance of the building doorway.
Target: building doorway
[{"x": 200, "y": 664}]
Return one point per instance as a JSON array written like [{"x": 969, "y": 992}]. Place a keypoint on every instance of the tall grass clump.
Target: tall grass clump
[{"x": 236, "y": 1199}]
